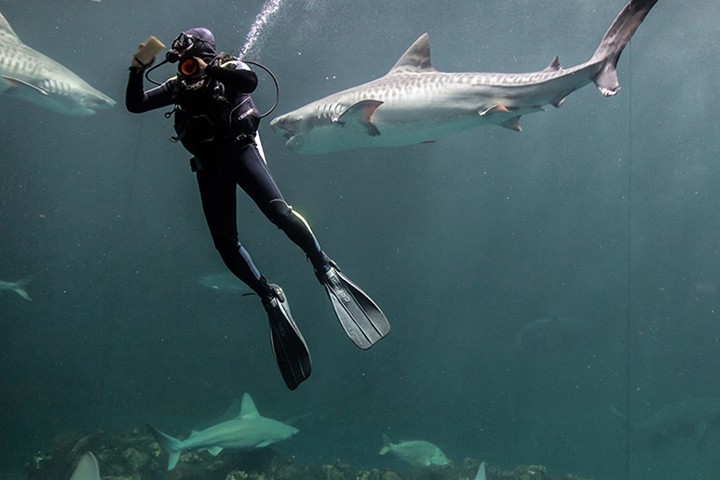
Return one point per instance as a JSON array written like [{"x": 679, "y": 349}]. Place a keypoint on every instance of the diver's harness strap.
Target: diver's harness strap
[{"x": 242, "y": 141}]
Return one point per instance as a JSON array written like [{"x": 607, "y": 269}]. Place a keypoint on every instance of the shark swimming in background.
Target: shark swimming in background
[
  {"x": 691, "y": 416},
  {"x": 17, "y": 287},
  {"x": 414, "y": 103},
  {"x": 29, "y": 75},
  {"x": 247, "y": 431}
]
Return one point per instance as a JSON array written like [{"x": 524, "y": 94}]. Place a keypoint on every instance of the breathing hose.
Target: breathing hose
[{"x": 259, "y": 65}]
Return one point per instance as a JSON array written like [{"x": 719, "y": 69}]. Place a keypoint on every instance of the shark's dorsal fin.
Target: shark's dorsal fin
[
  {"x": 416, "y": 58},
  {"x": 554, "y": 65},
  {"x": 248, "y": 408},
  {"x": 482, "y": 472},
  {"x": 87, "y": 468},
  {"x": 6, "y": 30},
  {"x": 233, "y": 410}
]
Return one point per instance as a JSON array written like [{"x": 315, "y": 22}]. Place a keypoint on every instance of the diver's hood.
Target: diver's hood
[{"x": 203, "y": 45}]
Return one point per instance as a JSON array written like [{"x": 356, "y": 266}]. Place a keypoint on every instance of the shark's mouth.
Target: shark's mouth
[{"x": 291, "y": 140}]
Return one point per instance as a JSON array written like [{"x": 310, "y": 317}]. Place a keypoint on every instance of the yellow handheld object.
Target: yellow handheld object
[{"x": 147, "y": 52}]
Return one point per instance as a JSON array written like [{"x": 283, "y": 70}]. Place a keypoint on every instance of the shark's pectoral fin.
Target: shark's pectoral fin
[
  {"x": 497, "y": 108},
  {"x": 361, "y": 114},
  {"x": 512, "y": 124},
  {"x": 214, "y": 451},
  {"x": 22, "y": 293},
  {"x": 264, "y": 444},
  {"x": 17, "y": 84}
]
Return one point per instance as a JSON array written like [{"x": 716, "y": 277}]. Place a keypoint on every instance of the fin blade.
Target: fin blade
[
  {"x": 288, "y": 345},
  {"x": 359, "y": 315}
]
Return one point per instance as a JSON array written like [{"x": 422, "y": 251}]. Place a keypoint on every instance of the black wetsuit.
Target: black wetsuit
[{"x": 226, "y": 156}]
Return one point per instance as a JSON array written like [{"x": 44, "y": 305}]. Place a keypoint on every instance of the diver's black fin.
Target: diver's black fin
[
  {"x": 289, "y": 347},
  {"x": 361, "y": 318}
]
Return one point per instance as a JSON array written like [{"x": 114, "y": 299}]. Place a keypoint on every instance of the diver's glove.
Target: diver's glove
[{"x": 136, "y": 64}]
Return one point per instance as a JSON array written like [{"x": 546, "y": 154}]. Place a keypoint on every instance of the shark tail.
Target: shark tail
[
  {"x": 614, "y": 41},
  {"x": 171, "y": 445},
  {"x": 17, "y": 288},
  {"x": 387, "y": 443}
]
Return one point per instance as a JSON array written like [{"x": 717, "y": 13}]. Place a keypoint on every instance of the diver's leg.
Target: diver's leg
[
  {"x": 217, "y": 193},
  {"x": 359, "y": 315},
  {"x": 259, "y": 184}
]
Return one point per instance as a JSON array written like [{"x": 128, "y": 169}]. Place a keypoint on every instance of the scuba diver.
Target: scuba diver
[{"x": 216, "y": 120}]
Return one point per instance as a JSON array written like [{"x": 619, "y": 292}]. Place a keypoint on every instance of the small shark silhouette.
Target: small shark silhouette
[{"x": 247, "y": 431}]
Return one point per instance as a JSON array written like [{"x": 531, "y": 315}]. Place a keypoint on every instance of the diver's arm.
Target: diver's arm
[
  {"x": 234, "y": 73},
  {"x": 137, "y": 100}
]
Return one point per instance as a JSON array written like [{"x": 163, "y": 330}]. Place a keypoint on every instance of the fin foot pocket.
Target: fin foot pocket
[{"x": 288, "y": 345}]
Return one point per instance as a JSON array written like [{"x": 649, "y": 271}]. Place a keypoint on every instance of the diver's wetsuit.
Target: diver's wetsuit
[{"x": 226, "y": 161}]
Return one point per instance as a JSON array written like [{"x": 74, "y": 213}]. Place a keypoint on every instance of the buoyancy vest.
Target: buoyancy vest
[{"x": 209, "y": 112}]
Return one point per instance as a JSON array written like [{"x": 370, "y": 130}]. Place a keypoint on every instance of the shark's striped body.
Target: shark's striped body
[
  {"x": 415, "y": 103},
  {"x": 31, "y": 76}
]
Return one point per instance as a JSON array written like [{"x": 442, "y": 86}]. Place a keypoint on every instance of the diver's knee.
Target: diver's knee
[
  {"x": 227, "y": 248},
  {"x": 279, "y": 212}
]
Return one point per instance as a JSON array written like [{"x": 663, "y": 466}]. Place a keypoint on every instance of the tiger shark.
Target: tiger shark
[
  {"x": 247, "y": 431},
  {"x": 31, "y": 76},
  {"x": 415, "y": 103}
]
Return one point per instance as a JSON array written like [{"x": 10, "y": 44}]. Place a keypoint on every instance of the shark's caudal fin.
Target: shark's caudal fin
[
  {"x": 615, "y": 40},
  {"x": 171, "y": 445},
  {"x": 87, "y": 468},
  {"x": 17, "y": 288},
  {"x": 387, "y": 443}
]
